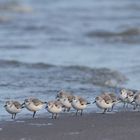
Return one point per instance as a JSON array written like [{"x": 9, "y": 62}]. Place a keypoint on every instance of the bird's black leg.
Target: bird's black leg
[
  {"x": 112, "y": 107},
  {"x": 15, "y": 115},
  {"x": 52, "y": 115},
  {"x": 64, "y": 110},
  {"x": 56, "y": 116},
  {"x": 124, "y": 105},
  {"x": 68, "y": 109},
  {"x": 76, "y": 112},
  {"x": 34, "y": 114},
  {"x": 104, "y": 111}
]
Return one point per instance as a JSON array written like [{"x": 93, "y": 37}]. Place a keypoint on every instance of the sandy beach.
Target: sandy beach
[{"x": 92, "y": 126}]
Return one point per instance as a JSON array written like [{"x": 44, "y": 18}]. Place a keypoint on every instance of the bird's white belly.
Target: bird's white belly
[
  {"x": 12, "y": 110},
  {"x": 34, "y": 108},
  {"x": 54, "y": 110},
  {"x": 78, "y": 106},
  {"x": 67, "y": 104},
  {"x": 123, "y": 98},
  {"x": 104, "y": 105}
]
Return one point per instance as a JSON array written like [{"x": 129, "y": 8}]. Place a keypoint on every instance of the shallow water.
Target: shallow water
[{"x": 85, "y": 47}]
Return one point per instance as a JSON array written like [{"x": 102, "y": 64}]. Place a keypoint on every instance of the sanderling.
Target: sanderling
[
  {"x": 54, "y": 107},
  {"x": 13, "y": 107},
  {"x": 79, "y": 103},
  {"x": 33, "y": 105},
  {"x": 66, "y": 103},
  {"x": 62, "y": 94},
  {"x": 104, "y": 101},
  {"x": 127, "y": 97},
  {"x": 123, "y": 96},
  {"x": 130, "y": 97},
  {"x": 136, "y": 101},
  {"x": 66, "y": 99},
  {"x": 114, "y": 99}
]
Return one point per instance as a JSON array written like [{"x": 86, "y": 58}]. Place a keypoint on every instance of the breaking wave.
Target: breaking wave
[
  {"x": 80, "y": 74},
  {"x": 130, "y": 35},
  {"x": 14, "y": 63}
]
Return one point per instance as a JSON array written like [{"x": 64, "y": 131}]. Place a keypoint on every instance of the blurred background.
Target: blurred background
[{"x": 83, "y": 46}]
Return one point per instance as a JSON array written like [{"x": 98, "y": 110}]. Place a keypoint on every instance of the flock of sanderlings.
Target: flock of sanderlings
[{"x": 64, "y": 101}]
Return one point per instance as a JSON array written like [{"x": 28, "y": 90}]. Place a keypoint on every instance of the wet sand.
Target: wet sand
[{"x": 93, "y": 126}]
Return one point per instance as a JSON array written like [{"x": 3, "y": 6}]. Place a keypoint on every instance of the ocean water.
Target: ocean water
[{"x": 85, "y": 47}]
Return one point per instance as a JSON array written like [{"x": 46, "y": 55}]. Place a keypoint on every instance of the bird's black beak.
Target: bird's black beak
[
  {"x": 94, "y": 102},
  {"x": 71, "y": 101},
  {"x": 63, "y": 106},
  {"x": 23, "y": 105},
  {"x": 88, "y": 103},
  {"x": 5, "y": 106},
  {"x": 46, "y": 107}
]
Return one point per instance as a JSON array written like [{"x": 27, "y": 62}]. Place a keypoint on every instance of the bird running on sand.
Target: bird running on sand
[
  {"x": 114, "y": 99},
  {"x": 33, "y": 105},
  {"x": 66, "y": 99},
  {"x": 13, "y": 107},
  {"x": 104, "y": 102},
  {"x": 79, "y": 104},
  {"x": 136, "y": 100},
  {"x": 54, "y": 107},
  {"x": 126, "y": 96}
]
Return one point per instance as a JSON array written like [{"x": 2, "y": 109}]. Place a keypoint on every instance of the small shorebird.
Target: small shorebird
[
  {"x": 62, "y": 94},
  {"x": 54, "y": 107},
  {"x": 79, "y": 104},
  {"x": 104, "y": 101},
  {"x": 123, "y": 96},
  {"x": 33, "y": 105},
  {"x": 66, "y": 102},
  {"x": 114, "y": 99},
  {"x": 13, "y": 107},
  {"x": 127, "y": 97},
  {"x": 130, "y": 97},
  {"x": 137, "y": 101},
  {"x": 66, "y": 99}
]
